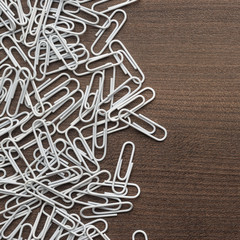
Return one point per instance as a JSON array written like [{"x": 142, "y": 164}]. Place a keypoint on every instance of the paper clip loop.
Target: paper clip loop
[
  {"x": 117, "y": 174},
  {"x": 103, "y": 235},
  {"x": 139, "y": 232}
]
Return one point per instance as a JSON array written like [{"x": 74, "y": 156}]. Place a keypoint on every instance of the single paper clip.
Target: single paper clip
[
  {"x": 152, "y": 124},
  {"x": 95, "y": 186},
  {"x": 108, "y": 211},
  {"x": 117, "y": 174},
  {"x": 95, "y": 145},
  {"x": 106, "y": 65},
  {"x": 101, "y": 32}
]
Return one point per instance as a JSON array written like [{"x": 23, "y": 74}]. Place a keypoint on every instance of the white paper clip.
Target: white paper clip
[
  {"x": 117, "y": 175},
  {"x": 93, "y": 14},
  {"x": 106, "y": 65},
  {"x": 109, "y": 212},
  {"x": 112, "y": 7},
  {"x": 54, "y": 132},
  {"x": 151, "y": 123},
  {"x": 101, "y": 32}
]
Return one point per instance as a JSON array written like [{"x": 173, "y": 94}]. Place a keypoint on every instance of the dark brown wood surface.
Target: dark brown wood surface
[
  {"x": 190, "y": 184},
  {"x": 190, "y": 53}
]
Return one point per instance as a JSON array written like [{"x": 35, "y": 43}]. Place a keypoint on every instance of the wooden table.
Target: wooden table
[
  {"x": 190, "y": 183},
  {"x": 190, "y": 53}
]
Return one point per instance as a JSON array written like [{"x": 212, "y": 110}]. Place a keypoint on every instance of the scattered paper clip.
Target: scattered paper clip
[{"x": 55, "y": 132}]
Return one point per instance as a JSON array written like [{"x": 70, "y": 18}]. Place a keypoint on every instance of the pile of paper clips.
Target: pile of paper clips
[{"x": 43, "y": 61}]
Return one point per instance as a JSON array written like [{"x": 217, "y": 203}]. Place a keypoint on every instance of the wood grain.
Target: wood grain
[
  {"x": 190, "y": 183},
  {"x": 189, "y": 51}
]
